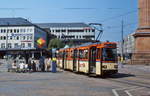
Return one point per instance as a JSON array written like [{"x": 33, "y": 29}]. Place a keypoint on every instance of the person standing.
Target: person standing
[
  {"x": 14, "y": 66},
  {"x": 33, "y": 66},
  {"x": 29, "y": 65},
  {"x": 42, "y": 65}
]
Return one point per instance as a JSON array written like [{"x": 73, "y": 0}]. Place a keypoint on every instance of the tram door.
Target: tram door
[
  {"x": 75, "y": 60},
  {"x": 92, "y": 60}
]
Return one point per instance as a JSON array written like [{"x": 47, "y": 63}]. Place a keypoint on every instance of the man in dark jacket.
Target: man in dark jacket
[{"x": 42, "y": 65}]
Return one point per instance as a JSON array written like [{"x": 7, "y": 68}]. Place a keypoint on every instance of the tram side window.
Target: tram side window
[
  {"x": 67, "y": 54},
  {"x": 98, "y": 53},
  {"x": 72, "y": 54},
  {"x": 85, "y": 55},
  {"x": 80, "y": 54}
]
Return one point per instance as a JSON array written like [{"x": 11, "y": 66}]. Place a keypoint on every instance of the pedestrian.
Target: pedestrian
[
  {"x": 48, "y": 64},
  {"x": 14, "y": 66},
  {"x": 29, "y": 65},
  {"x": 42, "y": 65},
  {"x": 33, "y": 66},
  {"x": 21, "y": 66},
  {"x": 53, "y": 65}
]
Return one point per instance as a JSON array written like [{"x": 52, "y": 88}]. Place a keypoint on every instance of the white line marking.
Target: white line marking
[
  {"x": 115, "y": 93},
  {"x": 126, "y": 88},
  {"x": 136, "y": 89},
  {"x": 115, "y": 90},
  {"x": 128, "y": 93}
]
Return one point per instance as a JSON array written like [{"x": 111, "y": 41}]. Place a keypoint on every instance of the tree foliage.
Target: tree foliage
[{"x": 55, "y": 43}]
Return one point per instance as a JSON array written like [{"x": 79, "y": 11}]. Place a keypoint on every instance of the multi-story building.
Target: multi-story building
[
  {"x": 128, "y": 46},
  {"x": 20, "y": 34},
  {"x": 78, "y": 32}
]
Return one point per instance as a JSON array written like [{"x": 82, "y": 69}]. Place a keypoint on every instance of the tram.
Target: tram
[{"x": 98, "y": 58}]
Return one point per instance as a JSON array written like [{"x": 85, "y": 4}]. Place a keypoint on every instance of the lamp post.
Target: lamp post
[
  {"x": 122, "y": 41},
  {"x": 7, "y": 44}
]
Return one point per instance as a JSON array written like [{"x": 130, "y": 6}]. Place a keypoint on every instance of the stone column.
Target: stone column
[{"x": 142, "y": 35}]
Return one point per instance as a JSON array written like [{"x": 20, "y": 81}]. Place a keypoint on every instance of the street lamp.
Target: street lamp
[
  {"x": 122, "y": 41},
  {"x": 7, "y": 44}
]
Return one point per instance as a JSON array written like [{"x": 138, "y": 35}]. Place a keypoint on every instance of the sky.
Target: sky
[{"x": 110, "y": 13}]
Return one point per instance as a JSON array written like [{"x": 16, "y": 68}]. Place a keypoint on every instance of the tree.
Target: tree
[
  {"x": 71, "y": 43},
  {"x": 55, "y": 43}
]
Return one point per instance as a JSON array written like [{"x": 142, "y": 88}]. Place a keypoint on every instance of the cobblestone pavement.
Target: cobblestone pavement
[{"x": 130, "y": 81}]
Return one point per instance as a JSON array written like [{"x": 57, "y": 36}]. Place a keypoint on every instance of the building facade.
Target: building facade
[
  {"x": 79, "y": 32},
  {"x": 20, "y": 34},
  {"x": 128, "y": 46}
]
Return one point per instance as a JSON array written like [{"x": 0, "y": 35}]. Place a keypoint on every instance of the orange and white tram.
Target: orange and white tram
[{"x": 99, "y": 59}]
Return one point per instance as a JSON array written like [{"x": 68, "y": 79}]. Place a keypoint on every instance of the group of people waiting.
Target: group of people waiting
[{"x": 43, "y": 64}]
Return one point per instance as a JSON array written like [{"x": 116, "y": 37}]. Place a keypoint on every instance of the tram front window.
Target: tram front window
[{"x": 109, "y": 54}]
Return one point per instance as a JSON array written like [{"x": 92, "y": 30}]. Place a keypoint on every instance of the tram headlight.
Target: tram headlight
[{"x": 104, "y": 66}]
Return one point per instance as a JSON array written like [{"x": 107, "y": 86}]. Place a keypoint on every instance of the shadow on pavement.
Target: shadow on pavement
[
  {"x": 47, "y": 72},
  {"x": 114, "y": 76},
  {"x": 120, "y": 75}
]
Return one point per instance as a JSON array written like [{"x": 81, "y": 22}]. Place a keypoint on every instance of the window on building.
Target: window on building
[
  {"x": 80, "y": 37},
  {"x": 10, "y": 37},
  {"x": 1, "y": 37},
  {"x": 1, "y": 30},
  {"x": 30, "y": 30},
  {"x": 75, "y": 30},
  {"x": 4, "y": 37},
  {"x": 63, "y": 30},
  {"x": 24, "y": 30},
  {"x": 21, "y": 30},
  {"x": 77, "y": 37},
  {"x": 30, "y": 37},
  {"x": 22, "y": 45},
  {"x": 16, "y": 45},
  {"x": 8, "y": 30},
  {"x": 2, "y": 45},
  {"x": 17, "y": 30},
  {"x": 14, "y": 30},
  {"x": 24, "y": 37},
  {"x": 17, "y": 37},
  {"x": 11, "y": 30},
  {"x": 9, "y": 45},
  {"x": 89, "y": 30},
  {"x": 4, "y": 31},
  {"x": 57, "y": 30},
  {"x": 93, "y": 30},
  {"x": 29, "y": 45},
  {"x": 85, "y": 30}
]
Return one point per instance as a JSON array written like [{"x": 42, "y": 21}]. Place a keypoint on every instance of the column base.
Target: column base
[{"x": 141, "y": 58}]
